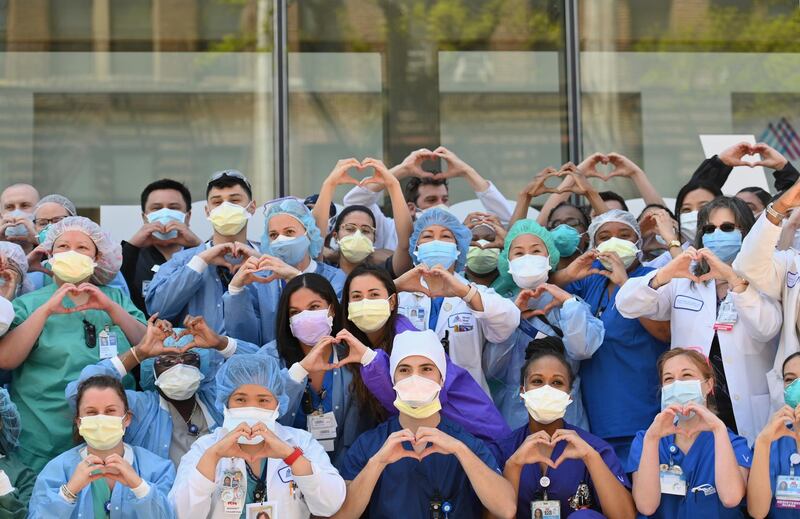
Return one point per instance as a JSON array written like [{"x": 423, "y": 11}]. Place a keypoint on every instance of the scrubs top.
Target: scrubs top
[
  {"x": 59, "y": 355},
  {"x": 565, "y": 479},
  {"x": 619, "y": 382},
  {"x": 407, "y": 486},
  {"x": 698, "y": 469},
  {"x": 779, "y": 465},
  {"x": 15, "y": 504}
]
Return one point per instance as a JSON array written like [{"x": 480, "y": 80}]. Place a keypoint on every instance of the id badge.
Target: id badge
[
  {"x": 323, "y": 429},
  {"x": 108, "y": 343},
  {"x": 726, "y": 316},
  {"x": 233, "y": 493},
  {"x": 672, "y": 480},
  {"x": 546, "y": 509},
  {"x": 268, "y": 507},
  {"x": 787, "y": 492}
]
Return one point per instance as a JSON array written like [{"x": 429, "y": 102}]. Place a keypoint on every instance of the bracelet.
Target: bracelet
[
  {"x": 291, "y": 458},
  {"x": 674, "y": 243},
  {"x": 68, "y": 493},
  {"x": 472, "y": 291},
  {"x": 133, "y": 352},
  {"x": 773, "y": 213}
]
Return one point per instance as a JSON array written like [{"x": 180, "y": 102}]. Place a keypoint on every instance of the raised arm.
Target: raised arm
[
  {"x": 339, "y": 175},
  {"x": 625, "y": 167}
]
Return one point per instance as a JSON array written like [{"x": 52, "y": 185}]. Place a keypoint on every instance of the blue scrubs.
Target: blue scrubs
[
  {"x": 407, "y": 486},
  {"x": 698, "y": 469},
  {"x": 619, "y": 382},
  {"x": 779, "y": 465},
  {"x": 565, "y": 479}
]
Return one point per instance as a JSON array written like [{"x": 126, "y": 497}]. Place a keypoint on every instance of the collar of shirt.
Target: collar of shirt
[
  {"x": 127, "y": 455},
  {"x": 311, "y": 268}
]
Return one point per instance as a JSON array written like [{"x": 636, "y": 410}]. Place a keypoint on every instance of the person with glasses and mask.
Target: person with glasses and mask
[
  {"x": 63, "y": 327},
  {"x": 711, "y": 307},
  {"x": 484, "y": 249},
  {"x": 16, "y": 215}
]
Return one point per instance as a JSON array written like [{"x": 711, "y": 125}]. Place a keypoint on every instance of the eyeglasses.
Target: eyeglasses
[
  {"x": 89, "y": 334},
  {"x": 572, "y": 222},
  {"x": 725, "y": 227},
  {"x": 190, "y": 358},
  {"x": 281, "y": 200},
  {"x": 44, "y": 222},
  {"x": 232, "y": 173},
  {"x": 351, "y": 228}
]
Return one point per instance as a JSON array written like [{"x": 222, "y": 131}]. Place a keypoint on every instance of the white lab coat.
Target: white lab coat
[
  {"x": 6, "y": 315},
  {"x": 469, "y": 330},
  {"x": 775, "y": 273},
  {"x": 321, "y": 494},
  {"x": 747, "y": 350}
]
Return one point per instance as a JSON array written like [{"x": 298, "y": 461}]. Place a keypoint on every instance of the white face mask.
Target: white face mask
[
  {"x": 417, "y": 391},
  {"x": 529, "y": 271},
  {"x": 689, "y": 225},
  {"x": 626, "y": 250},
  {"x": 546, "y": 404},
  {"x": 249, "y": 416},
  {"x": 180, "y": 382}
]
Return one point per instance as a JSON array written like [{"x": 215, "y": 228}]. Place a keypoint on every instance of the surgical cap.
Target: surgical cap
[
  {"x": 425, "y": 344},
  {"x": 10, "y": 427},
  {"x": 614, "y": 215},
  {"x": 147, "y": 377},
  {"x": 505, "y": 283},
  {"x": 444, "y": 218},
  {"x": 15, "y": 256},
  {"x": 256, "y": 368},
  {"x": 61, "y": 200},
  {"x": 301, "y": 213},
  {"x": 109, "y": 257}
]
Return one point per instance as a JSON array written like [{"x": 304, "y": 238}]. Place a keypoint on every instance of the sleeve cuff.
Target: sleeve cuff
[
  {"x": 232, "y": 290},
  {"x": 230, "y": 349},
  {"x": 197, "y": 264},
  {"x": 201, "y": 483},
  {"x": 297, "y": 373},
  {"x": 487, "y": 190},
  {"x": 572, "y": 301},
  {"x": 368, "y": 357},
  {"x": 63, "y": 496},
  {"x": 118, "y": 366},
  {"x": 142, "y": 490}
]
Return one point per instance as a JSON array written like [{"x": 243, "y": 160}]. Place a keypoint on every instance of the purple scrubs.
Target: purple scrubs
[{"x": 565, "y": 479}]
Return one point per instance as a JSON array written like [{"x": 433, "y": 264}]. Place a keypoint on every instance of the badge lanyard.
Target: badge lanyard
[{"x": 260, "y": 492}]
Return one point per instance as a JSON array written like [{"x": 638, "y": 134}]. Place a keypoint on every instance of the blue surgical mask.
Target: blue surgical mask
[
  {"x": 682, "y": 392},
  {"x": 437, "y": 252},
  {"x": 165, "y": 216},
  {"x": 567, "y": 239},
  {"x": 791, "y": 394},
  {"x": 724, "y": 245},
  {"x": 17, "y": 230},
  {"x": 290, "y": 250}
]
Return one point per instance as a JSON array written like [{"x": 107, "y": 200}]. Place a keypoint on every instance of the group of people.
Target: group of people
[{"x": 585, "y": 363}]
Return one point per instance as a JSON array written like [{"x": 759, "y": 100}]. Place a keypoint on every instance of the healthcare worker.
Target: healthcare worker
[
  {"x": 13, "y": 270},
  {"x": 62, "y": 328},
  {"x": 6, "y": 315},
  {"x": 252, "y": 459},
  {"x": 354, "y": 245},
  {"x": 370, "y": 300},
  {"x": 16, "y": 479},
  {"x": 619, "y": 382},
  {"x": 103, "y": 477},
  {"x": 713, "y": 309},
  {"x": 529, "y": 254},
  {"x": 420, "y": 464},
  {"x": 467, "y": 315},
  {"x": 16, "y": 218},
  {"x": 549, "y": 459},
  {"x": 773, "y": 488},
  {"x": 178, "y": 366},
  {"x": 687, "y": 464},
  {"x": 291, "y": 245},
  {"x": 488, "y": 236}
]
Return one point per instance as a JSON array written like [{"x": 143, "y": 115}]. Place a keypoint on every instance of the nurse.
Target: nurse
[
  {"x": 773, "y": 488},
  {"x": 419, "y": 463},
  {"x": 103, "y": 476},
  {"x": 687, "y": 464},
  {"x": 466, "y": 314},
  {"x": 713, "y": 309},
  {"x": 16, "y": 479},
  {"x": 13, "y": 270},
  {"x": 62, "y": 328},
  {"x": 291, "y": 246},
  {"x": 252, "y": 459},
  {"x": 549, "y": 459}
]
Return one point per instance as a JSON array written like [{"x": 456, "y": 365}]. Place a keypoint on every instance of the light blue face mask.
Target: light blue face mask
[
  {"x": 290, "y": 250},
  {"x": 682, "y": 392},
  {"x": 724, "y": 245},
  {"x": 165, "y": 216},
  {"x": 566, "y": 238},
  {"x": 437, "y": 252},
  {"x": 17, "y": 230}
]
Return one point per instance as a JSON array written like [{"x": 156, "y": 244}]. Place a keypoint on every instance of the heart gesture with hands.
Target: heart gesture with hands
[
  {"x": 202, "y": 335},
  {"x": 537, "y": 186},
  {"x": 317, "y": 359},
  {"x": 247, "y": 273},
  {"x": 576, "y": 448},
  {"x": 357, "y": 349},
  {"x": 272, "y": 446},
  {"x": 117, "y": 469},
  {"x": 679, "y": 267},
  {"x": 411, "y": 281},
  {"x": 719, "y": 270},
  {"x": 778, "y": 425},
  {"x": 704, "y": 420},
  {"x": 560, "y": 296},
  {"x": 436, "y": 441},
  {"x": 537, "y": 448},
  {"x": 412, "y": 165},
  {"x": 393, "y": 450},
  {"x": 579, "y": 185},
  {"x": 152, "y": 344},
  {"x": 229, "y": 446},
  {"x": 664, "y": 423},
  {"x": 341, "y": 173}
]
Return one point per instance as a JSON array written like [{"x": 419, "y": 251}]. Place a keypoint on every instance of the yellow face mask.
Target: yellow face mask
[
  {"x": 417, "y": 397},
  {"x": 72, "y": 266},
  {"x": 369, "y": 314},
  {"x": 355, "y": 247},
  {"x": 228, "y": 219},
  {"x": 102, "y": 432},
  {"x": 420, "y": 413}
]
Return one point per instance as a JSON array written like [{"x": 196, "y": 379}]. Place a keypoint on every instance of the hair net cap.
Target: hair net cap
[
  {"x": 505, "y": 283},
  {"x": 615, "y": 216},
  {"x": 425, "y": 344},
  {"x": 15, "y": 256},
  {"x": 437, "y": 216},
  {"x": 109, "y": 257},
  {"x": 9, "y": 432},
  {"x": 302, "y": 214},
  {"x": 147, "y": 377},
  {"x": 256, "y": 368},
  {"x": 61, "y": 200}
]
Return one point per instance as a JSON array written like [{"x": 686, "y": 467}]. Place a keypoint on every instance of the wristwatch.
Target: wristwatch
[{"x": 673, "y": 243}]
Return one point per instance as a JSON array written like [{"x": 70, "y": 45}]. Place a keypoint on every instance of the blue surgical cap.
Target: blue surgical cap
[
  {"x": 10, "y": 427},
  {"x": 505, "y": 283},
  {"x": 147, "y": 377},
  {"x": 255, "y": 368},
  {"x": 299, "y": 211},
  {"x": 444, "y": 218}
]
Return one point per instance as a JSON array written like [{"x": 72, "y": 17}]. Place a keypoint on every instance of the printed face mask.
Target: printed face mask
[
  {"x": 529, "y": 271},
  {"x": 546, "y": 404},
  {"x": 309, "y": 326},
  {"x": 165, "y": 216}
]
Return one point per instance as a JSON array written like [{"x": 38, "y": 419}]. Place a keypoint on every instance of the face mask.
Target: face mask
[
  {"x": 796, "y": 241},
  {"x": 437, "y": 252},
  {"x": 72, "y": 266},
  {"x": 529, "y": 271},
  {"x": 724, "y": 245},
  {"x": 228, "y": 219},
  {"x": 417, "y": 397},
  {"x": 355, "y": 247},
  {"x": 249, "y": 416},
  {"x": 43, "y": 233},
  {"x": 290, "y": 250},
  {"x": 18, "y": 230},
  {"x": 660, "y": 240},
  {"x": 567, "y": 239},
  {"x": 309, "y": 326},
  {"x": 682, "y": 392},
  {"x": 546, "y": 404},
  {"x": 369, "y": 314},
  {"x": 689, "y": 225},
  {"x": 102, "y": 432},
  {"x": 165, "y": 216},
  {"x": 180, "y": 381},
  {"x": 482, "y": 261},
  {"x": 625, "y": 249},
  {"x": 791, "y": 394}
]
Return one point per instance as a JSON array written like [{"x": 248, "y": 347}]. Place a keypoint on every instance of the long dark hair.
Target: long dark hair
[
  {"x": 688, "y": 188},
  {"x": 288, "y": 345},
  {"x": 742, "y": 217},
  {"x": 98, "y": 382}
]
